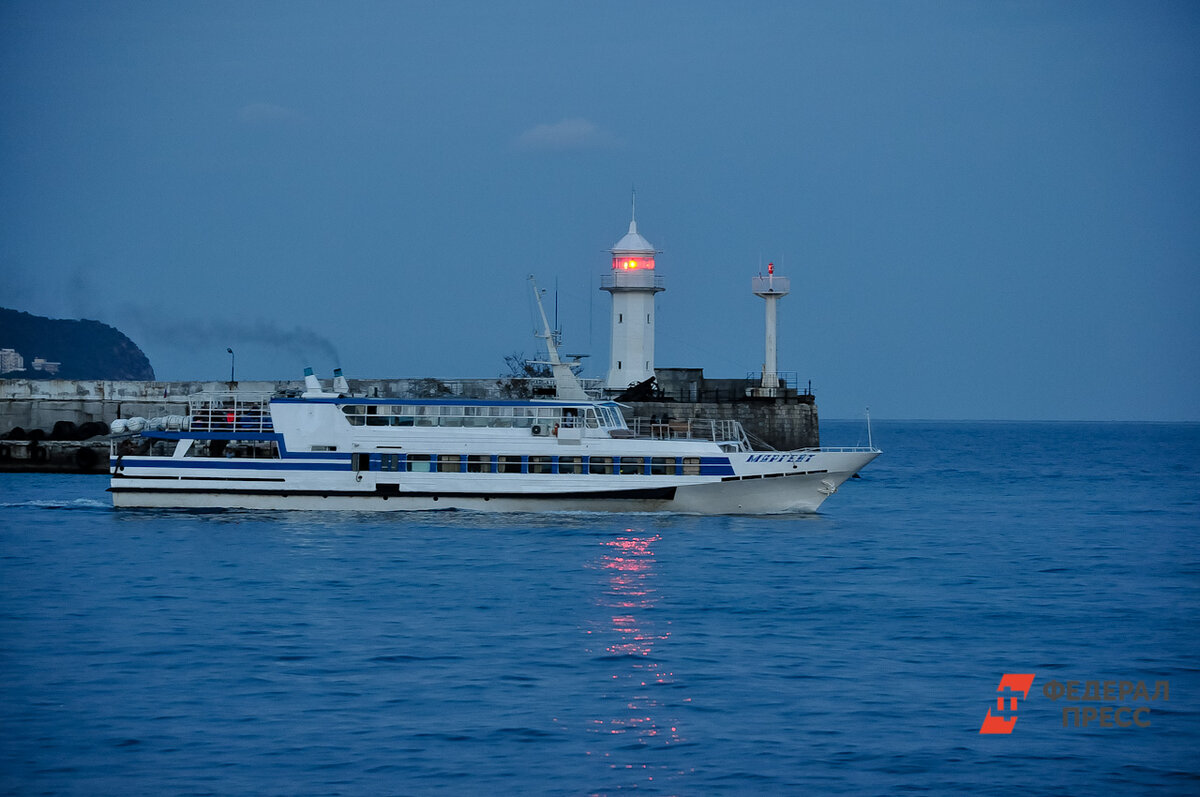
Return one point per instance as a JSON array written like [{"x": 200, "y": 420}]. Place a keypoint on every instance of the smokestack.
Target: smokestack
[
  {"x": 311, "y": 383},
  {"x": 340, "y": 385}
]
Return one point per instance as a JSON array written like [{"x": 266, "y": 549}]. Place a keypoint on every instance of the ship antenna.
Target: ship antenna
[{"x": 869, "y": 443}]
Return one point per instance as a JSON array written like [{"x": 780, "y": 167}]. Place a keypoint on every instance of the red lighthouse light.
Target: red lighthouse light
[{"x": 627, "y": 263}]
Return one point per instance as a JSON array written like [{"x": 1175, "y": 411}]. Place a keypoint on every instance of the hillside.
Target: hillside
[{"x": 85, "y": 349}]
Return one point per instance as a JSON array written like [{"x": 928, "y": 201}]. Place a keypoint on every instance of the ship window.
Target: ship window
[
  {"x": 601, "y": 465},
  {"x": 539, "y": 465},
  {"x": 479, "y": 463},
  {"x": 620, "y": 320},
  {"x": 449, "y": 463},
  {"x": 662, "y": 466},
  {"x": 400, "y": 415},
  {"x": 450, "y": 420},
  {"x": 570, "y": 465},
  {"x": 523, "y": 417},
  {"x": 592, "y": 422},
  {"x": 418, "y": 463},
  {"x": 377, "y": 420},
  {"x": 389, "y": 462},
  {"x": 632, "y": 465},
  {"x": 229, "y": 449},
  {"x": 360, "y": 462},
  {"x": 425, "y": 416},
  {"x": 508, "y": 464},
  {"x": 611, "y": 418},
  {"x": 691, "y": 466}
]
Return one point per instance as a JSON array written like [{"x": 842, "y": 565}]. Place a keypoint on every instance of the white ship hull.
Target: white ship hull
[{"x": 746, "y": 487}]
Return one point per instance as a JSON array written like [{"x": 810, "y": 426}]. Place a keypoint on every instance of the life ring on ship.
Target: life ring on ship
[{"x": 555, "y": 430}]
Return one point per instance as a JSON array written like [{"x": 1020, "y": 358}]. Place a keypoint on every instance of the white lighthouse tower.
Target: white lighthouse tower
[
  {"x": 772, "y": 289},
  {"x": 632, "y": 284}
]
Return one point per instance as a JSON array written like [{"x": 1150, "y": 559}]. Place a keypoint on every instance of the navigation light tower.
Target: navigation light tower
[
  {"x": 632, "y": 284},
  {"x": 771, "y": 288}
]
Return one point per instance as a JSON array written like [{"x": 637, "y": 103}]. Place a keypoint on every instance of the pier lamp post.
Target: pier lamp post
[{"x": 232, "y": 361}]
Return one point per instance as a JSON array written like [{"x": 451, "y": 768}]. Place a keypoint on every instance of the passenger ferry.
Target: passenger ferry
[{"x": 331, "y": 450}]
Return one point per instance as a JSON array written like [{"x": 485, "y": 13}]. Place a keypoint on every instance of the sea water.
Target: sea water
[{"x": 856, "y": 651}]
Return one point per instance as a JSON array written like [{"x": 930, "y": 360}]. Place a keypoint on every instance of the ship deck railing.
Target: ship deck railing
[
  {"x": 729, "y": 434},
  {"x": 841, "y": 449},
  {"x": 230, "y": 412}
]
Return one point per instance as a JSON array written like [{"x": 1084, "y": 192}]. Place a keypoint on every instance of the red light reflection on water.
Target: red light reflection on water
[{"x": 628, "y": 562}]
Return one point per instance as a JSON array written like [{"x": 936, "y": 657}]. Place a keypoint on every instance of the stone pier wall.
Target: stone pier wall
[
  {"x": 40, "y": 403},
  {"x": 784, "y": 425}
]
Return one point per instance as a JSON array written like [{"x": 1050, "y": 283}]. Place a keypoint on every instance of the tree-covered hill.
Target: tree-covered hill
[{"x": 86, "y": 349}]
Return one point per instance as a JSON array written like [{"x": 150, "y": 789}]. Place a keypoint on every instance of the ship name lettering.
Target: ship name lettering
[{"x": 779, "y": 457}]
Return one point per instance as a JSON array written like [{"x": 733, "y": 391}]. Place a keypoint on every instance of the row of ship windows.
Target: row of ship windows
[
  {"x": 485, "y": 463},
  {"x": 488, "y": 416},
  {"x": 468, "y": 421}
]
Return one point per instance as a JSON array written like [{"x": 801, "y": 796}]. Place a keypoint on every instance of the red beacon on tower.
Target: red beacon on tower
[{"x": 625, "y": 262}]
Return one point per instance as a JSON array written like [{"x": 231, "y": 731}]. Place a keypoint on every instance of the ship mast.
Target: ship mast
[{"x": 566, "y": 384}]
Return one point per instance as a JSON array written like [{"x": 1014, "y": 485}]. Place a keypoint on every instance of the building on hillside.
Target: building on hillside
[{"x": 10, "y": 360}]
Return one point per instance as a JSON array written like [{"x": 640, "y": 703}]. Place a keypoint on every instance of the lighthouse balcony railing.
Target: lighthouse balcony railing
[
  {"x": 786, "y": 379},
  {"x": 771, "y": 286},
  {"x": 633, "y": 280}
]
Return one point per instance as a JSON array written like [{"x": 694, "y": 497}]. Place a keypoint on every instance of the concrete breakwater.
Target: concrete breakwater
[
  {"x": 54, "y": 456},
  {"x": 781, "y": 425},
  {"x": 41, "y": 404}
]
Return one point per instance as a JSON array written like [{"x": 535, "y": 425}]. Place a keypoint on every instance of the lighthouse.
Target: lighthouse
[
  {"x": 632, "y": 284},
  {"x": 772, "y": 289}
]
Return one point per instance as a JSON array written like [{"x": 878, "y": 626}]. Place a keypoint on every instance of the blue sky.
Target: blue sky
[{"x": 987, "y": 210}]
